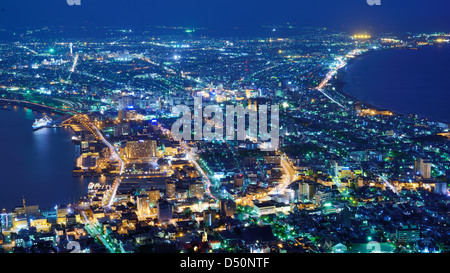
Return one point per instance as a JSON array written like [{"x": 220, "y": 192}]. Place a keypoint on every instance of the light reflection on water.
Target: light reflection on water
[{"x": 38, "y": 164}]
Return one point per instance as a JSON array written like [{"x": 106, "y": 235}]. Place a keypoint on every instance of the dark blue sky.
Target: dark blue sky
[{"x": 350, "y": 15}]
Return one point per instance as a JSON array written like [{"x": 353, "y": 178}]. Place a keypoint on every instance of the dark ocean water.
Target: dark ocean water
[
  {"x": 36, "y": 165},
  {"x": 404, "y": 81}
]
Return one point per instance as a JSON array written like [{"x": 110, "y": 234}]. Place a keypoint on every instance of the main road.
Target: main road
[
  {"x": 193, "y": 160},
  {"x": 340, "y": 64},
  {"x": 108, "y": 199},
  {"x": 95, "y": 231},
  {"x": 328, "y": 77},
  {"x": 289, "y": 176}
]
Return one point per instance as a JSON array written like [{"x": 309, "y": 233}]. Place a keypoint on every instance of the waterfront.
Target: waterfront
[
  {"x": 38, "y": 164},
  {"x": 345, "y": 175},
  {"x": 406, "y": 81}
]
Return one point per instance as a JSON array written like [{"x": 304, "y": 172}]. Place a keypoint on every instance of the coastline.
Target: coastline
[
  {"x": 339, "y": 84},
  {"x": 6, "y": 104},
  {"x": 72, "y": 198},
  {"x": 35, "y": 106}
]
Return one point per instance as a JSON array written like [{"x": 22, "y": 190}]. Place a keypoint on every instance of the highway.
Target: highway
[
  {"x": 75, "y": 62},
  {"x": 289, "y": 176},
  {"x": 389, "y": 184},
  {"x": 199, "y": 168},
  {"x": 328, "y": 77},
  {"x": 111, "y": 194},
  {"x": 192, "y": 159},
  {"x": 332, "y": 72},
  {"x": 29, "y": 49},
  {"x": 95, "y": 231}
]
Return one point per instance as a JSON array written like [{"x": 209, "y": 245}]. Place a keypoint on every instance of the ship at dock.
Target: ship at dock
[{"x": 43, "y": 122}]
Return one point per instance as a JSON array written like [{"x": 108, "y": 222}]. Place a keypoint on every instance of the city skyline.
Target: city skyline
[{"x": 336, "y": 137}]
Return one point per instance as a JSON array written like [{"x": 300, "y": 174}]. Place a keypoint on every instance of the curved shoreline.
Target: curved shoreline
[
  {"x": 35, "y": 106},
  {"x": 75, "y": 192},
  {"x": 62, "y": 113},
  {"x": 340, "y": 83}
]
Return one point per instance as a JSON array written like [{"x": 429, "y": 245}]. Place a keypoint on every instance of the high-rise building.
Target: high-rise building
[
  {"x": 227, "y": 207},
  {"x": 423, "y": 168},
  {"x": 209, "y": 217},
  {"x": 170, "y": 189},
  {"x": 417, "y": 165},
  {"x": 120, "y": 115},
  {"x": 122, "y": 129},
  {"x": 164, "y": 209},
  {"x": 71, "y": 49},
  {"x": 61, "y": 213},
  {"x": 32, "y": 210},
  {"x": 77, "y": 150},
  {"x": 84, "y": 147},
  {"x": 154, "y": 196},
  {"x": 141, "y": 103},
  {"x": 426, "y": 171},
  {"x": 272, "y": 160},
  {"x": 322, "y": 198},
  {"x": 307, "y": 190},
  {"x": 6, "y": 221},
  {"x": 143, "y": 204},
  {"x": 238, "y": 180},
  {"x": 141, "y": 149},
  {"x": 125, "y": 102},
  {"x": 20, "y": 221},
  {"x": 441, "y": 188},
  {"x": 196, "y": 189}
]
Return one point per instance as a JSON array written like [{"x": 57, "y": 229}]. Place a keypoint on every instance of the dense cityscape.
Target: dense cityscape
[{"x": 347, "y": 177}]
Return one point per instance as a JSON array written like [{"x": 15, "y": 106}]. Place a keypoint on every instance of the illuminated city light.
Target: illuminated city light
[
  {"x": 342, "y": 167},
  {"x": 361, "y": 36}
]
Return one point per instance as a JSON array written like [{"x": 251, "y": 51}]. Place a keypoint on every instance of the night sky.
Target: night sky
[{"x": 348, "y": 15}]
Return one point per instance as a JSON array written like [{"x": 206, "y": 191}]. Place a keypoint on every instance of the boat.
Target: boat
[{"x": 41, "y": 123}]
